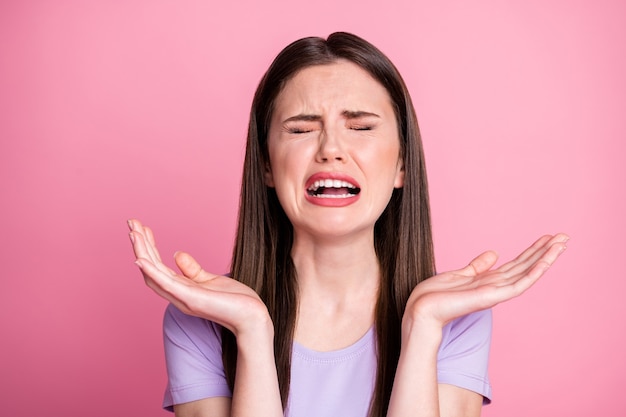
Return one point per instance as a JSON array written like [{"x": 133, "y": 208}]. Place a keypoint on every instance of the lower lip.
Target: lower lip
[{"x": 332, "y": 202}]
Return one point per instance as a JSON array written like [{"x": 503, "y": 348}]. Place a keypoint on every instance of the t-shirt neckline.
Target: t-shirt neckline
[{"x": 363, "y": 342}]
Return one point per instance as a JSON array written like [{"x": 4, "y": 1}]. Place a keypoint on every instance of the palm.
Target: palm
[
  {"x": 196, "y": 292},
  {"x": 449, "y": 295}
]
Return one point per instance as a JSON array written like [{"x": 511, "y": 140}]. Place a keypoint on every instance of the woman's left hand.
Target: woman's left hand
[{"x": 444, "y": 297}]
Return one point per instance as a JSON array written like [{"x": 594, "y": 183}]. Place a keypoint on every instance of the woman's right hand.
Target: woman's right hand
[{"x": 197, "y": 292}]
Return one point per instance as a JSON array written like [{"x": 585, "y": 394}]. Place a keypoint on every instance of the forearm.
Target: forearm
[
  {"x": 415, "y": 389},
  {"x": 256, "y": 392}
]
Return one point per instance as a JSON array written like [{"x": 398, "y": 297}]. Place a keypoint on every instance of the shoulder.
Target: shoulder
[
  {"x": 463, "y": 357},
  {"x": 193, "y": 357},
  {"x": 471, "y": 329},
  {"x": 189, "y": 335},
  {"x": 175, "y": 321}
]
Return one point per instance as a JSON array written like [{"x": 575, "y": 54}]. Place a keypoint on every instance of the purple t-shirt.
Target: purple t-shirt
[{"x": 336, "y": 383}]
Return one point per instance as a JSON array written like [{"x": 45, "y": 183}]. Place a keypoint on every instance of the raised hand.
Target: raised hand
[
  {"x": 197, "y": 292},
  {"x": 449, "y": 295}
]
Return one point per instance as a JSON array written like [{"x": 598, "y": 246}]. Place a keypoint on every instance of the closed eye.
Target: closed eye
[
  {"x": 361, "y": 127},
  {"x": 302, "y": 123},
  {"x": 301, "y": 127},
  {"x": 296, "y": 131}
]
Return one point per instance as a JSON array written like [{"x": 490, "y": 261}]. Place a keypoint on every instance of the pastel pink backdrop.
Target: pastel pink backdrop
[{"x": 111, "y": 110}]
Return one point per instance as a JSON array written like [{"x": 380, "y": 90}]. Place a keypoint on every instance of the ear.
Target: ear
[
  {"x": 268, "y": 176},
  {"x": 399, "y": 180}
]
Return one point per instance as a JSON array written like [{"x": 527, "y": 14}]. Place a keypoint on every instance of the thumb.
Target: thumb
[
  {"x": 483, "y": 262},
  {"x": 188, "y": 266}
]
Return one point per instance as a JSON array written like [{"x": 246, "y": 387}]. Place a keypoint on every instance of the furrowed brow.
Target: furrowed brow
[
  {"x": 358, "y": 114},
  {"x": 304, "y": 118}
]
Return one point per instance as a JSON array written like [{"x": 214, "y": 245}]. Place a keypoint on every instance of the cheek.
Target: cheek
[
  {"x": 285, "y": 170},
  {"x": 392, "y": 161},
  {"x": 291, "y": 159}
]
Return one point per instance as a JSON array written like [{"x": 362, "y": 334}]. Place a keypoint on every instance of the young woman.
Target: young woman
[{"x": 334, "y": 307}]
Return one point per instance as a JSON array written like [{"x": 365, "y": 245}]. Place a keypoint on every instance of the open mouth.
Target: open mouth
[{"x": 329, "y": 188}]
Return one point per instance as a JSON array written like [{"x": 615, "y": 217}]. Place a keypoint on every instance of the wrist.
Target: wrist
[
  {"x": 256, "y": 336},
  {"x": 424, "y": 332}
]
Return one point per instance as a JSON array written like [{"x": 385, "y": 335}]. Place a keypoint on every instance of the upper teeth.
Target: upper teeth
[{"x": 330, "y": 183}]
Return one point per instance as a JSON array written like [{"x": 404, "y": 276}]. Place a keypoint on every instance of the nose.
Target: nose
[{"x": 330, "y": 147}]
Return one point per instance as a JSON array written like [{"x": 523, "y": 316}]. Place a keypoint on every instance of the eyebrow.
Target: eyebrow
[
  {"x": 359, "y": 114},
  {"x": 348, "y": 114},
  {"x": 304, "y": 118}
]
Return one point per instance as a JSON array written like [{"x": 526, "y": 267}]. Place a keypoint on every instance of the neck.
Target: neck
[
  {"x": 338, "y": 283},
  {"x": 337, "y": 267}
]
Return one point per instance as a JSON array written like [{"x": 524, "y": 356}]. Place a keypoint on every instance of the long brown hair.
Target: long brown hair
[{"x": 403, "y": 240}]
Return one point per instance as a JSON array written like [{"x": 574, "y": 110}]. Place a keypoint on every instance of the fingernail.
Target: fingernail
[
  {"x": 132, "y": 237},
  {"x": 130, "y": 224},
  {"x": 138, "y": 263}
]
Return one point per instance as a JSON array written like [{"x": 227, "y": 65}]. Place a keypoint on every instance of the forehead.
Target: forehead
[{"x": 341, "y": 85}]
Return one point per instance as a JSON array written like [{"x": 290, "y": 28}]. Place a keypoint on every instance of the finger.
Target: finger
[
  {"x": 185, "y": 294},
  {"x": 142, "y": 250},
  {"x": 552, "y": 253},
  {"x": 523, "y": 281},
  {"x": 539, "y": 254},
  {"x": 137, "y": 232},
  {"x": 139, "y": 247},
  {"x": 151, "y": 243},
  {"x": 529, "y": 252},
  {"x": 169, "y": 287},
  {"x": 135, "y": 225},
  {"x": 149, "y": 235},
  {"x": 490, "y": 294},
  {"x": 482, "y": 263},
  {"x": 191, "y": 268},
  {"x": 145, "y": 232},
  {"x": 527, "y": 280}
]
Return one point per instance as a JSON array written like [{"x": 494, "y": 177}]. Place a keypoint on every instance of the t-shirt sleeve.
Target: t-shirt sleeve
[
  {"x": 193, "y": 357},
  {"x": 463, "y": 356}
]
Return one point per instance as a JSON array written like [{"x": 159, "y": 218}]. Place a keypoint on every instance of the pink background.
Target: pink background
[{"x": 111, "y": 110}]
